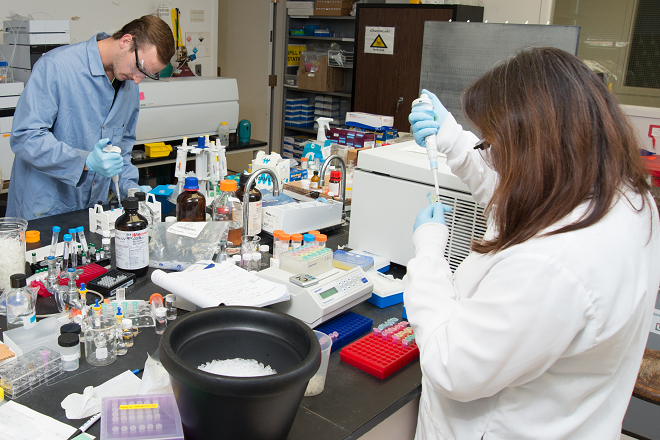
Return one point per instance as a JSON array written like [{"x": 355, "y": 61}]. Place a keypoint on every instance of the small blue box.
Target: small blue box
[{"x": 162, "y": 192}]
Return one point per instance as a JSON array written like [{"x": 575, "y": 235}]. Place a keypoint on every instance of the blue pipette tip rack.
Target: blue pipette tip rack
[{"x": 349, "y": 326}]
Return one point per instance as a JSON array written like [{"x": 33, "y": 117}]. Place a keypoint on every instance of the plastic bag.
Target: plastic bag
[{"x": 178, "y": 252}]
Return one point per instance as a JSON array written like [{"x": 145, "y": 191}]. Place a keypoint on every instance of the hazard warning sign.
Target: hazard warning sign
[{"x": 379, "y": 40}]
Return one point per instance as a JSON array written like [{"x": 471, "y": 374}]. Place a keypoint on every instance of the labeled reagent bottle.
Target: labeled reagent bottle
[{"x": 132, "y": 240}]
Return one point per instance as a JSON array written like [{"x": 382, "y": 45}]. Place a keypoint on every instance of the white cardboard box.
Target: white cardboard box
[
  {"x": 369, "y": 121},
  {"x": 301, "y": 217}
]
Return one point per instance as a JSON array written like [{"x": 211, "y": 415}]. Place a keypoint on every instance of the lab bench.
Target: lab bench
[{"x": 352, "y": 403}]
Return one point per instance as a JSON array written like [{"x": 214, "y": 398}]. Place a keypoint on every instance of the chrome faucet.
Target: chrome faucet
[
  {"x": 342, "y": 164},
  {"x": 246, "y": 194}
]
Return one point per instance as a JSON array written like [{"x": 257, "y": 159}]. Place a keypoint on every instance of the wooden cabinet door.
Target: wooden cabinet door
[{"x": 383, "y": 81}]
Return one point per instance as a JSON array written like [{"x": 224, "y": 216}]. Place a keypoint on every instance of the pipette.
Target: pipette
[
  {"x": 425, "y": 103},
  {"x": 112, "y": 149}
]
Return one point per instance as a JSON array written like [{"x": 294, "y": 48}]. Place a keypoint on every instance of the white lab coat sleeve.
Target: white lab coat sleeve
[
  {"x": 523, "y": 317},
  {"x": 31, "y": 137},
  {"x": 129, "y": 174},
  {"x": 464, "y": 161}
]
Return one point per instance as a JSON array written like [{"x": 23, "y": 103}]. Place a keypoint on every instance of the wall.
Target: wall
[
  {"x": 244, "y": 54},
  {"x": 513, "y": 11},
  {"x": 90, "y": 16}
]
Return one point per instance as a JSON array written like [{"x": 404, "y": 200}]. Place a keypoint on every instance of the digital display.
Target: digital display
[{"x": 328, "y": 293}]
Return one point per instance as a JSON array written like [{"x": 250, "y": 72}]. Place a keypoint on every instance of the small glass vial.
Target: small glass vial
[
  {"x": 69, "y": 350},
  {"x": 161, "y": 320},
  {"x": 170, "y": 305},
  {"x": 321, "y": 239},
  {"x": 256, "y": 261},
  {"x": 237, "y": 260},
  {"x": 247, "y": 261},
  {"x": 107, "y": 252},
  {"x": 315, "y": 181},
  {"x": 98, "y": 255},
  {"x": 127, "y": 332},
  {"x": 265, "y": 256},
  {"x": 296, "y": 241}
]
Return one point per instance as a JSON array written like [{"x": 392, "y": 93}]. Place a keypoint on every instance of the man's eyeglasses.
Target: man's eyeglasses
[
  {"x": 140, "y": 65},
  {"x": 484, "y": 150}
]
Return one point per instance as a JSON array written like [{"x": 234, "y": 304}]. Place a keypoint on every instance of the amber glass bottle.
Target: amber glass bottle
[
  {"x": 191, "y": 204},
  {"x": 254, "y": 222},
  {"x": 132, "y": 239}
]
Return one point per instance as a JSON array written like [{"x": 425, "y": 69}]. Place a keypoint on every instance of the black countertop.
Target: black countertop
[{"x": 352, "y": 403}]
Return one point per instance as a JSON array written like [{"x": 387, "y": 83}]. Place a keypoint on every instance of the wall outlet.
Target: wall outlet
[{"x": 198, "y": 69}]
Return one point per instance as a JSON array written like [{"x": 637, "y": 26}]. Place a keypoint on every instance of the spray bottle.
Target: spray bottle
[
  {"x": 314, "y": 150},
  {"x": 425, "y": 103},
  {"x": 112, "y": 149}
]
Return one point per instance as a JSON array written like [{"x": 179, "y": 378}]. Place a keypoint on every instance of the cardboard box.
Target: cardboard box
[
  {"x": 325, "y": 79},
  {"x": 343, "y": 12},
  {"x": 299, "y": 5},
  {"x": 353, "y": 154},
  {"x": 301, "y": 11},
  {"x": 333, "y": 4}
]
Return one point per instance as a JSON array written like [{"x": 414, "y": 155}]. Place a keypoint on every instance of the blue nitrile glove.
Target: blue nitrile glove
[
  {"x": 431, "y": 214},
  {"x": 426, "y": 123},
  {"x": 105, "y": 164},
  {"x": 145, "y": 189}
]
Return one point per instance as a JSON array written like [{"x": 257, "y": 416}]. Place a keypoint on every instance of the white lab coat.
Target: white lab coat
[{"x": 539, "y": 341}]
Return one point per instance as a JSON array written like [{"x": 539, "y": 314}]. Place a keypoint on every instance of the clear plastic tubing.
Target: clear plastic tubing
[
  {"x": 81, "y": 236},
  {"x": 308, "y": 239},
  {"x": 53, "y": 241}
]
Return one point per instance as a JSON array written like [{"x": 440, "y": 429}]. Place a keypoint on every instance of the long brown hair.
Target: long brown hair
[
  {"x": 150, "y": 30},
  {"x": 558, "y": 139}
]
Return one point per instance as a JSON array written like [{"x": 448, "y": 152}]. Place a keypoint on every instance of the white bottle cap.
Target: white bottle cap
[
  {"x": 126, "y": 323},
  {"x": 256, "y": 256},
  {"x": 236, "y": 258},
  {"x": 161, "y": 312},
  {"x": 247, "y": 257}
]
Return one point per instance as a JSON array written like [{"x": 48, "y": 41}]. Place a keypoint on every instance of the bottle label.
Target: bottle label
[
  {"x": 29, "y": 321},
  {"x": 333, "y": 189},
  {"x": 101, "y": 353},
  {"x": 314, "y": 184},
  {"x": 254, "y": 224},
  {"x": 132, "y": 249},
  {"x": 69, "y": 357}
]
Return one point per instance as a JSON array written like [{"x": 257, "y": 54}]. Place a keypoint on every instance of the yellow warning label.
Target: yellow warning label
[
  {"x": 378, "y": 42},
  {"x": 142, "y": 406},
  {"x": 293, "y": 54}
]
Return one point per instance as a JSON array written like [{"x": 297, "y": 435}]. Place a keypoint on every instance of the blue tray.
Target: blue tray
[{"x": 349, "y": 325}]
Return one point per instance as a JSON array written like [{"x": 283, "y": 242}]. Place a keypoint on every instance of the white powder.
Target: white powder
[
  {"x": 237, "y": 368},
  {"x": 12, "y": 259}
]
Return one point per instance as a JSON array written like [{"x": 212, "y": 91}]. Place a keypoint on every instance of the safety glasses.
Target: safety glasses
[
  {"x": 140, "y": 65},
  {"x": 484, "y": 149}
]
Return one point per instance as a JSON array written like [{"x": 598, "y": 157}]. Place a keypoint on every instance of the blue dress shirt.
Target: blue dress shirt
[{"x": 64, "y": 110}]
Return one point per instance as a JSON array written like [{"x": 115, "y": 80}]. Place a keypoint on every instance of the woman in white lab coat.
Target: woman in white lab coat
[{"x": 540, "y": 332}]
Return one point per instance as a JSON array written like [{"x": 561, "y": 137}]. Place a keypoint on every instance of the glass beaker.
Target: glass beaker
[
  {"x": 250, "y": 243},
  {"x": 12, "y": 252},
  {"x": 101, "y": 340}
]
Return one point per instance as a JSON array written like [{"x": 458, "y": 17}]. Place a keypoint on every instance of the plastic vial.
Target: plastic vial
[
  {"x": 132, "y": 240},
  {"x": 156, "y": 301},
  {"x": 276, "y": 243},
  {"x": 69, "y": 350},
  {"x": 321, "y": 239},
  {"x": 223, "y": 209},
  {"x": 308, "y": 239},
  {"x": 265, "y": 256},
  {"x": 127, "y": 332},
  {"x": 34, "y": 258},
  {"x": 98, "y": 255},
  {"x": 145, "y": 210},
  {"x": 247, "y": 261},
  {"x": 236, "y": 259},
  {"x": 170, "y": 305},
  {"x": 21, "y": 311},
  {"x": 256, "y": 261},
  {"x": 53, "y": 241},
  {"x": 84, "y": 258},
  {"x": 284, "y": 243},
  {"x": 107, "y": 250},
  {"x": 161, "y": 320},
  {"x": 191, "y": 204},
  {"x": 296, "y": 241},
  {"x": 304, "y": 162}
]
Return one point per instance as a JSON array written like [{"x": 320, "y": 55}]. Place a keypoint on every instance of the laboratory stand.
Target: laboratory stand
[{"x": 352, "y": 403}]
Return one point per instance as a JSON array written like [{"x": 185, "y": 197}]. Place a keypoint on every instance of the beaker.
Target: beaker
[
  {"x": 12, "y": 249},
  {"x": 250, "y": 243},
  {"x": 101, "y": 340},
  {"x": 317, "y": 382}
]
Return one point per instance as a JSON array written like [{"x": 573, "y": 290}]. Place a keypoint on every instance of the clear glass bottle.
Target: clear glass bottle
[
  {"x": 127, "y": 332},
  {"x": 247, "y": 261},
  {"x": 132, "y": 240},
  {"x": 69, "y": 344},
  {"x": 191, "y": 204},
  {"x": 254, "y": 222},
  {"x": 161, "y": 320},
  {"x": 145, "y": 210},
  {"x": 265, "y": 256},
  {"x": 21, "y": 311},
  {"x": 223, "y": 209},
  {"x": 106, "y": 251},
  {"x": 256, "y": 261},
  {"x": 170, "y": 305},
  {"x": 333, "y": 184}
]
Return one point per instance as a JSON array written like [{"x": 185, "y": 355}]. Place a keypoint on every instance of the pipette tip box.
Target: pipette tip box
[
  {"x": 28, "y": 371},
  {"x": 108, "y": 283},
  {"x": 378, "y": 357},
  {"x": 349, "y": 326},
  {"x": 152, "y": 416}
]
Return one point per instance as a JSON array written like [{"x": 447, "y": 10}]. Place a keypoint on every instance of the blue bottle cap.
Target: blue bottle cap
[
  {"x": 71, "y": 270},
  {"x": 67, "y": 237},
  {"x": 200, "y": 142},
  {"x": 50, "y": 257},
  {"x": 56, "y": 229},
  {"x": 309, "y": 237},
  {"x": 72, "y": 231},
  {"x": 80, "y": 229},
  {"x": 191, "y": 184}
]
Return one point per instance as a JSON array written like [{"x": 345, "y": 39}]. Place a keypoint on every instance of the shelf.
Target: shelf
[
  {"x": 323, "y": 17},
  {"x": 305, "y": 130},
  {"x": 303, "y": 37},
  {"x": 342, "y": 94}
]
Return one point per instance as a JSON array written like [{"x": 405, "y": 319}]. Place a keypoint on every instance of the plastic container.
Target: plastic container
[
  {"x": 5, "y": 71},
  {"x": 348, "y": 260},
  {"x": 239, "y": 407},
  {"x": 191, "y": 204},
  {"x": 21, "y": 304},
  {"x": 223, "y": 209},
  {"x": 296, "y": 241},
  {"x": 317, "y": 382},
  {"x": 223, "y": 134},
  {"x": 308, "y": 259},
  {"x": 152, "y": 416},
  {"x": 254, "y": 222},
  {"x": 101, "y": 340},
  {"x": 170, "y": 305},
  {"x": 348, "y": 327},
  {"x": 321, "y": 240},
  {"x": 132, "y": 240},
  {"x": 308, "y": 239},
  {"x": 12, "y": 248},
  {"x": 69, "y": 351},
  {"x": 29, "y": 371},
  {"x": 161, "y": 320}
]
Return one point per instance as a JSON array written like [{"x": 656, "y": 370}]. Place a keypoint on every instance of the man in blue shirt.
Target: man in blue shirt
[{"x": 80, "y": 98}]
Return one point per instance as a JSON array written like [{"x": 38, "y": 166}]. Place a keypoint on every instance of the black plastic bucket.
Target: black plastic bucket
[{"x": 223, "y": 407}]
